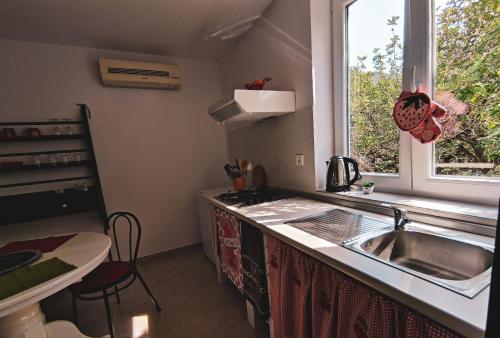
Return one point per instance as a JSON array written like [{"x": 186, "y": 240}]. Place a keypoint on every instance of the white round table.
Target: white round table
[{"x": 20, "y": 314}]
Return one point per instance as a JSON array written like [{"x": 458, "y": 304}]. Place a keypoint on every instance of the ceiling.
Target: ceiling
[{"x": 168, "y": 27}]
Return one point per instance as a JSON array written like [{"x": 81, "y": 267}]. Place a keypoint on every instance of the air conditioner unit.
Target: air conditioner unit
[{"x": 131, "y": 74}]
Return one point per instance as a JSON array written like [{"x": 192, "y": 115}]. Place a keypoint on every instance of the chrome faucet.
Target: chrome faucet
[{"x": 400, "y": 217}]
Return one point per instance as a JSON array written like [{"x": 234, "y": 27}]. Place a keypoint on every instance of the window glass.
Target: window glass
[
  {"x": 466, "y": 83},
  {"x": 374, "y": 56}
]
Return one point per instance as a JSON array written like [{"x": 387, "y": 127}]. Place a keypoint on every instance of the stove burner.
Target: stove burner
[
  {"x": 229, "y": 196},
  {"x": 250, "y": 197}
]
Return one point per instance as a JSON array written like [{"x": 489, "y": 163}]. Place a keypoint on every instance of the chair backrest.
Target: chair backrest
[{"x": 132, "y": 222}]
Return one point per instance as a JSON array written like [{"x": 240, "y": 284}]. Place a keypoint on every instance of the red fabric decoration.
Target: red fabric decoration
[
  {"x": 295, "y": 286},
  {"x": 229, "y": 233},
  {"x": 427, "y": 131},
  {"x": 43, "y": 244},
  {"x": 417, "y": 113},
  {"x": 275, "y": 249}
]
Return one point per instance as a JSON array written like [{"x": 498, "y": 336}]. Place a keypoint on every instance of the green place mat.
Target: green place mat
[{"x": 29, "y": 276}]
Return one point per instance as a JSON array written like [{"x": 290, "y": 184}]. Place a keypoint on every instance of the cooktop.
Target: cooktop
[{"x": 251, "y": 197}]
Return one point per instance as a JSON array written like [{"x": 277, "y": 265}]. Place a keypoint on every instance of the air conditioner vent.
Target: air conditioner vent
[
  {"x": 147, "y": 72},
  {"x": 131, "y": 74}
]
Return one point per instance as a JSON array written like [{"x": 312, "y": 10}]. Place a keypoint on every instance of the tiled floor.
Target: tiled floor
[{"x": 185, "y": 283}]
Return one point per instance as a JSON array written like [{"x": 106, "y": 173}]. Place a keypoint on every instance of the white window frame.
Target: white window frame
[{"x": 416, "y": 172}]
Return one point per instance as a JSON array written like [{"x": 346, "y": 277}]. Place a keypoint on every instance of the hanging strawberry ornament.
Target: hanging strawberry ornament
[
  {"x": 429, "y": 129},
  {"x": 411, "y": 109},
  {"x": 415, "y": 112}
]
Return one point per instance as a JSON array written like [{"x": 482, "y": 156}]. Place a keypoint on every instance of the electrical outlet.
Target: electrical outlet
[{"x": 299, "y": 160}]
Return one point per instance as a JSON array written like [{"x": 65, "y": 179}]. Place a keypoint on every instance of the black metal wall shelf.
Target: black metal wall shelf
[
  {"x": 44, "y": 193},
  {"x": 43, "y": 138},
  {"x": 45, "y": 204},
  {"x": 40, "y": 123},
  {"x": 76, "y": 178},
  {"x": 45, "y": 166},
  {"x": 68, "y": 151},
  {"x": 39, "y": 203}
]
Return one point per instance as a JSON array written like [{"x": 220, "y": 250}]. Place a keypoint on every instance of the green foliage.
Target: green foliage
[
  {"x": 467, "y": 82},
  {"x": 374, "y": 137},
  {"x": 468, "y": 59}
]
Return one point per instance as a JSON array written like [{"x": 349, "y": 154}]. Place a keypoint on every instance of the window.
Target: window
[
  {"x": 374, "y": 75},
  {"x": 465, "y": 82},
  {"x": 449, "y": 49}
]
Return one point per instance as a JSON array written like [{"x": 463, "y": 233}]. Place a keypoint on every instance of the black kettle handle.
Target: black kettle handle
[{"x": 356, "y": 169}]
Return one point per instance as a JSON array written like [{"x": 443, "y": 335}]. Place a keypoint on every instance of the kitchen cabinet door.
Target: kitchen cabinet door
[
  {"x": 363, "y": 312},
  {"x": 229, "y": 236},
  {"x": 205, "y": 219},
  {"x": 311, "y": 299},
  {"x": 344, "y": 308},
  {"x": 366, "y": 313},
  {"x": 325, "y": 287},
  {"x": 295, "y": 297},
  {"x": 274, "y": 250},
  {"x": 411, "y": 324}
]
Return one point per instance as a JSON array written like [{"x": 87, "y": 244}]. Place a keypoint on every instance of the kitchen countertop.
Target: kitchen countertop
[{"x": 463, "y": 315}]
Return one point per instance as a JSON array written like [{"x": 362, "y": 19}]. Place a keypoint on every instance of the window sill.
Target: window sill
[{"x": 474, "y": 218}]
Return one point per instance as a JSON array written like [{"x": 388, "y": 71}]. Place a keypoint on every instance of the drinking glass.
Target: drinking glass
[
  {"x": 37, "y": 161},
  {"x": 63, "y": 159},
  {"x": 53, "y": 160}
]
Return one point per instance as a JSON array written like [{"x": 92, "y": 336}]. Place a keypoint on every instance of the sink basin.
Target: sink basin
[{"x": 460, "y": 266}]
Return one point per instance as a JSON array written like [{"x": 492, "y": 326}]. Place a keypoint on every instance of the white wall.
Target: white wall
[
  {"x": 155, "y": 148},
  {"x": 322, "y": 56},
  {"x": 278, "y": 46}
]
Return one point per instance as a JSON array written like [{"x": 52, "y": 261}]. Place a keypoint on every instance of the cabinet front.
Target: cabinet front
[
  {"x": 274, "y": 249},
  {"x": 311, "y": 299},
  {"x": 295, "y": 294}
]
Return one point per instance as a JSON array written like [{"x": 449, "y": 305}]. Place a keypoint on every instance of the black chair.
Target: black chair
[{"x": 111, "y": 277}]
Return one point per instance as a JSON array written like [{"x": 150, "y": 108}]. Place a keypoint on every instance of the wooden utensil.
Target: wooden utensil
[{"x": 259, "y": 177}]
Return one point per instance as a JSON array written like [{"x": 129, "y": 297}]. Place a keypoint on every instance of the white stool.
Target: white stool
[{"x": 64, "y": 329}]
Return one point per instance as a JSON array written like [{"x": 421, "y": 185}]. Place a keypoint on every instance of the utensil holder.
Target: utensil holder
[{"x": 239, "y": 183}]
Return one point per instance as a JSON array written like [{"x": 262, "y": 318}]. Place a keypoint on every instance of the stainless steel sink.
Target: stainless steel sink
[{"x": 460, "y": 266}]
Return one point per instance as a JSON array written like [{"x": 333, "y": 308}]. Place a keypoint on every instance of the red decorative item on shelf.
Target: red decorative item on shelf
[
  {"x": 32, "y": 132},
  {"x": 257, "y": 84},
  {"x": 8, "y": 133},
  {"x": 416, "y": 112},
  {"x": 12, "y": 164}
]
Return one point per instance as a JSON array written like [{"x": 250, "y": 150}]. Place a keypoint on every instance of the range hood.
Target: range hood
[{"x": 252, "y": 105}]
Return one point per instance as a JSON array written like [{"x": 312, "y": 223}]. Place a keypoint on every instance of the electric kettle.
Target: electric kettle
[{"x": 338, "y": 177}]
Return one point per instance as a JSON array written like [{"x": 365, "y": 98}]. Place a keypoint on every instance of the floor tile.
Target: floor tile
[
  {"x": 242, "y": 329},
  {"x": 185, "y": 283}
]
